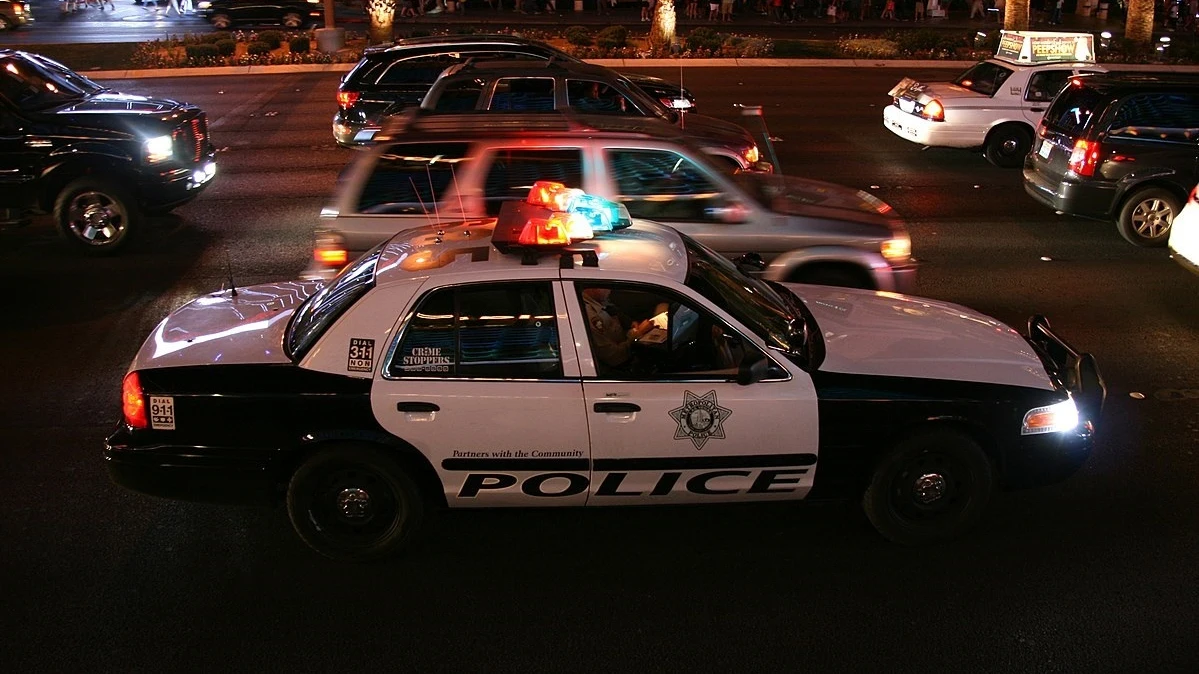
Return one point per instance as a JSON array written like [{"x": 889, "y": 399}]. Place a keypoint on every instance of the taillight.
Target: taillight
[
  {"x": 347, "y": 99},
  {"x": 1195, "y": 195},
  {"x": 1085, "y": 157},
  {"x": 934, "y": 110},
  {"x": 330, "y": 257},
  {"x": 133, "y": 401},
  {"x": 1042, "y": 130}
]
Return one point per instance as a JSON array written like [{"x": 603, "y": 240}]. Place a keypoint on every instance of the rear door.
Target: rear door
[{"x": 1158, "y": 133}]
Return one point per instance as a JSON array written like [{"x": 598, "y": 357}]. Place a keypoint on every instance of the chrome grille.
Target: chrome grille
[{"x": 191, "y": 137}]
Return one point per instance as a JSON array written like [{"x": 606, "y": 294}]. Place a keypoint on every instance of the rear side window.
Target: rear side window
[
  {"x": 513, "y": 172},
  {"x": 523, "y": 94},
  {"x": 419, "y": 70},
  {"x": 1172, "y": 117},
  {"x": 504, "y": 330},
  {"x": 1073, "y": 110},
  {"x": 367, "y": 71},
  {"x": 459, "y": 96},
  {"x": 985, "y": 78},
  {"x": 409, "y": 179}
]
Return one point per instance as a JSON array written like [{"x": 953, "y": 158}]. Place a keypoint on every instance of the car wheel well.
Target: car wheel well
[
  {"x": 835, "y": 273},
  {"x": 415, "y": 464},
  {"x": 65, "y": 174},
  {"x": 1131, "y": 192}
]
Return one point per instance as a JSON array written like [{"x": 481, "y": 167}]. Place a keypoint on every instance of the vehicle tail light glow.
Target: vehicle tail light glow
[
  {"x": 347, "y": 99},
  {"x": 1085, "y": 157},
  {"x": 1042, "y": 130},
  {"x": 133, "y": 401},
  {"x": 331, "y": 257},
  {"x": 752, "y": 155},
  {"x": 1195, "y": 195},
  {"x": 934, "y": 110}
]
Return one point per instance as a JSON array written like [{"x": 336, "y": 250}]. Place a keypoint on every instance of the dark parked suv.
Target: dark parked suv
[
  {"x": 390, "y": 79},
  {"x": 95, "y": 158},
  {"x": 1119, "y": 147}
]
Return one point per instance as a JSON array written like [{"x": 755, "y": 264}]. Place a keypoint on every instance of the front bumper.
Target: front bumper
[
  {"x": 1089, "y": 199},
  {"x": 176, "y": 186},
  {"x": 929, "y": 133},
  {"x": 1047, "y": 459},
  {"x": 209, "y": 474},
  {"x": 350, "y": 133}
]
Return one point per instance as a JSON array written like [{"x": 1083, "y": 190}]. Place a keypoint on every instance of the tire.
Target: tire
[
  {"x": 834, "y": 275},
  {"x": 354, "y": 502},
  {"x": 96, "y": 216},
  {"x": 221, "y": 21},
  {"x": 932, "y": 487},
  {"x": 1007, "y": 145},
  {"x": 292, "y": 20},
  {"x": 1147, "y": 216}
]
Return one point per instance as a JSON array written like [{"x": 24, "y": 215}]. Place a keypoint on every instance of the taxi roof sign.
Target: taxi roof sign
[{"x": 1031, "y": 47}]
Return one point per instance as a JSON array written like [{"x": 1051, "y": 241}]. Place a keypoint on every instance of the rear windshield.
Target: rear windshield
[
  {"x": 1073, "y": 110},
  {"x": 983, "y": 78}
]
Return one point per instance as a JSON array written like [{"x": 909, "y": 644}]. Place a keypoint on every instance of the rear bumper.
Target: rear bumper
[{"x": 1090, "y": 199}]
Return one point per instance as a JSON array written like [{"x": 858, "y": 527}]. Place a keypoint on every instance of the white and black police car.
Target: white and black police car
[{"x": 563, "y": 355}]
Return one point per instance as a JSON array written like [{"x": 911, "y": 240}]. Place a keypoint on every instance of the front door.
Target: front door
[
  {"x": 477, "y": 382},
  {"x": 668, "y": 421}
]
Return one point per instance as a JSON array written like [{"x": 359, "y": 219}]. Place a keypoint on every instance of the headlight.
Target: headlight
[
  {"x": 898, "y": 247},
  {"x": 158, "y": 149},
  {"x": 1052, "y": 419},
  {"x": 751, "y": 155},
  {"x": 18, "y": 9},
  {"x": 203, "y": 4}
]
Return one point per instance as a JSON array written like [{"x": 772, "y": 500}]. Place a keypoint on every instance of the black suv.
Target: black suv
[
  {"x": 95, "y": 158},
  {"x": 223, "y": 14},
  {"x": 1119, "y": 147},
  {"x": 390, "y": 79}
]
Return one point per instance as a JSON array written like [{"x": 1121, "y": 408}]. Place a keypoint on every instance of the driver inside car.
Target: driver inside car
[{"x": 611, "y": 340}]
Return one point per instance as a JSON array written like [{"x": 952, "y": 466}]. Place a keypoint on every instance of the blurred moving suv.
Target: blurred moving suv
[
  {"x": 1122, "y": 148},
  {"x": 391, "y": 79}
]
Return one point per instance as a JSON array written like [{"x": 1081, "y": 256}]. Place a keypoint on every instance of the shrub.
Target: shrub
[
  {"x": 226, "y": 47},
  {"x": 272, "y": 37},
  {"x": 299, "y": 45},
  {"x": 866, "y": 47},
  {"x": 704, "y": 39},
  {"x": 258, "y": 48},
  {"x": 579, "y": 36},
  {"x": 201, "y": 52},
  {"x": 925, "y": 41},
  {"x": 803, "y": 49},
  {"x": 613, "y": 37},
  {"x": 215, "y": 37}
]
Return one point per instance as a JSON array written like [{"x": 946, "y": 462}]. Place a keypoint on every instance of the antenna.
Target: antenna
[
  {"x": 458, "y": 192},
  {"x": 432, "y": 193},
  {"x": 229, "y": 273}
]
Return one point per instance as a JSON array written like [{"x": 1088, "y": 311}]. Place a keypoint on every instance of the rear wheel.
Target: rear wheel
[
  {"x": 1007, "y": 145},
  {"x": 1147, "y": 217},
  {"x": 221, "y": 21},
  {"x": 95, "y": 215},
  {"x": 292, "y": 20},
  {"x": 931, "y": 487},
  {"x": 354, "y": 503}
]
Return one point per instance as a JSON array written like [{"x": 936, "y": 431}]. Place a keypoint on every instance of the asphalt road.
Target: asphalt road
[{"x": 1097, "y": 574}]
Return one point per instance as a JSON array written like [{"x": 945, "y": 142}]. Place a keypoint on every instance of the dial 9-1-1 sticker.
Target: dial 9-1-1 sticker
[
  {"x": 362, "y": 355},
  {"x": 162, "y": 413}
]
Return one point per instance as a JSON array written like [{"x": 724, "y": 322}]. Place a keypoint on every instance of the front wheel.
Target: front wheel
[
  {"x": 354, "y": 503},
  {"x": 1007, "y": 146},
  {"x": 931, "y": 487},
  {"x": 1147, "y": 217},
  {"x": 95, "y": 215},
  {"x": 292, "y": 20}
]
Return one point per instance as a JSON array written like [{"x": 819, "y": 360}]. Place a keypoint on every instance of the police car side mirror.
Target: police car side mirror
[{"x": 750, "y": 373}]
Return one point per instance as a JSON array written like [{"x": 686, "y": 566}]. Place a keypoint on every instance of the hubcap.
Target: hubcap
[
  {"x": 1010, "y": 146},
  {"x": 928, "y": 488},
  {"x": 95, "y": 218},
  {"x": 354, "y": 503},
  {"x": 1152, "y": 218}
]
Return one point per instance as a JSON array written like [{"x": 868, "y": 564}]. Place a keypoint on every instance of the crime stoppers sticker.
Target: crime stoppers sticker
[
  {"x": 162, "y": 413},
  {"x": 362, "y": 355}
]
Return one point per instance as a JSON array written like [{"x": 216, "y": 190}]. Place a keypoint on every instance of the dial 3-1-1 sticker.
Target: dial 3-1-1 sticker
[{"x": 162, "y": 413}]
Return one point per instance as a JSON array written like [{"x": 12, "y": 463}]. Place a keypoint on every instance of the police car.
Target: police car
[
  {"x": 464, "y": 365},
  {"x": 996, "y": 104}
]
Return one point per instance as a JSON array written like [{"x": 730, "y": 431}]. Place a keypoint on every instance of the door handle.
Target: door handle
[
  {"x": 1036, "y": 109},
  {"x": 616, "y": 408},
  {"x": 417, "y": 407}
]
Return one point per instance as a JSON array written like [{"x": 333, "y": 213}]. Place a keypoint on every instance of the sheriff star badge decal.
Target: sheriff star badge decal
[{"x": 700, "y": 418}]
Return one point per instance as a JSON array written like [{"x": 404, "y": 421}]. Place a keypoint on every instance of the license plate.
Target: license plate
[
  {"x": 1046, "y": 148},
  {"x": 906, "y": 105}
]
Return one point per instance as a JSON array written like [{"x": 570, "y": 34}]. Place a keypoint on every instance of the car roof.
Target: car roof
[
  {"x": 409, "y": 126},
  {"x": 527, "y": 69},
  {"x": 465, "y": 247},
  {"x": 1141, "y": 81},
  {"x": 456, "y": 41}
]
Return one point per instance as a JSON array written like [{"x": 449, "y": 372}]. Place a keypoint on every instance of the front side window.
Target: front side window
[
  {"x": 513, "y": 172},
  {"x": 664, "y": 185},
  {"x": 494, "y": 331},
  {"x": 985, "y": 78},
  {"x": 591, "y": 96},
  {"x": 411, "y": 178},
  {"x": 645, "y": 333},
  {"x": 1167, "y": 116},
  {"x": 523, "y": 94}
]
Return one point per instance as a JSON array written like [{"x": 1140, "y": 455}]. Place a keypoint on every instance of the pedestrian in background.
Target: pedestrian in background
[
  {"x": 1055, "y": 19},
  {"x": 888, "y": 10},
  {"x": 919, "y": 15}
]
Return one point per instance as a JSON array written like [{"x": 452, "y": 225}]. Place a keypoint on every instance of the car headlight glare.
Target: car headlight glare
[
  {"x": 158, "y": 149},
  {"x": 898, "y": 247},
  {"x": 751, "y": 155},
  {"x": 1057, "y": 418}
]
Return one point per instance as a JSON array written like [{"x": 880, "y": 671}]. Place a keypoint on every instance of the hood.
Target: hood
[
  {"x": 221, "y": 328},
  {"x": 703, "y": 127},
  {"x": 113, "y": 103},
  {"x": 815, "y": 199},
  {"x": 886, "y": 334}
]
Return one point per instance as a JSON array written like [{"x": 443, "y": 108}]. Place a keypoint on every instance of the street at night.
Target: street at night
[{"x": 1095, "y": 574}]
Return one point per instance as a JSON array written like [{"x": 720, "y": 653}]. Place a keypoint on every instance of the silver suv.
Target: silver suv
[{"x": 454, "y": 167}]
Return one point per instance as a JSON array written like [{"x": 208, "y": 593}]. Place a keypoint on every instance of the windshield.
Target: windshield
[
  {"x": 319, "y": 311},
  {"x": 759, "y": 306},
  {"x": 33, "y": 82},
  {"x": 984, "y": 78}
]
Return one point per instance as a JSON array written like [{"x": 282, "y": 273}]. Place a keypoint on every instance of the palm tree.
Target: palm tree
[
  {"x": 662, "y": 28},
  {"x": 382, "y": 15},
  {"x": 1138, "y": 25},
  {"x": 1015, "y": 15}
]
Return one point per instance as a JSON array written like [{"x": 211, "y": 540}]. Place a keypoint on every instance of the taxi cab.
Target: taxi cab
[
  {"x": 487, "y": 364},
  {"x": 996, "y": 104}
]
